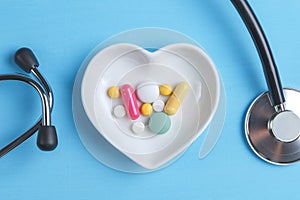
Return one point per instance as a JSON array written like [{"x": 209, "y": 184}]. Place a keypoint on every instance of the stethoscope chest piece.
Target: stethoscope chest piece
[
  {"x": 272, "y": 123},
  {"x": 274, "y": 134}
]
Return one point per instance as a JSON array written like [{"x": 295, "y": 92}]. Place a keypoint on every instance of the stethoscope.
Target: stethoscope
[
  {"x": 272, "y": 123},
  {"x": 47, "y": 138}
]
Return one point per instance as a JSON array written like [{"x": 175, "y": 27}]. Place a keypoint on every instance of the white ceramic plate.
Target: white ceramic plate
[{"x": 127, "y": 63}]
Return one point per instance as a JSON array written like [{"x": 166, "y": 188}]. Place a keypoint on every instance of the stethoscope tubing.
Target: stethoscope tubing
[
  {"x": 270, "y": 70},
  {"x": 46, "y": 96}
]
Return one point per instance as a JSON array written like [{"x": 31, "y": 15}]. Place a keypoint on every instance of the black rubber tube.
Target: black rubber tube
[
  {"x": 264, "y": 51},
  {"x": 19, "y": 140}
]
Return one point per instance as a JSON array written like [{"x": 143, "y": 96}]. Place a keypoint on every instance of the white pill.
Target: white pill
[
  {"x": 147, "y": 92},
  {"x": 158, "y": 105},
  {"x": 119, "y": 111},
  {"x": 138, "y": 127}
]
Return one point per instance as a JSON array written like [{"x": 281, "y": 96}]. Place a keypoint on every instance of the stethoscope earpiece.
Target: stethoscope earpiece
[
  {"x": 26, "y": 59},
  {"x": 272, "y": 123},
  {"x": 47, "y": 137}
]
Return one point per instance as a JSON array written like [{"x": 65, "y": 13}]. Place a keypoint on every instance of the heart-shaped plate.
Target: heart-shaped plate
[{"x": 127, "y": 63}]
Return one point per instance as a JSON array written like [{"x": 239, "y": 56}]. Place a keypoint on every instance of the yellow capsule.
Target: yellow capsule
[
  {"x": 176, "y": 98},
  {"x": 146, "y": 109},
  {"x": 114, "y": 92},
  {"x": 165, "y": 89}
]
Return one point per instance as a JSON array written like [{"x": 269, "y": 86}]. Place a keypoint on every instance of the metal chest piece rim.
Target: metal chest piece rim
[{"x": 273, "y": 135}]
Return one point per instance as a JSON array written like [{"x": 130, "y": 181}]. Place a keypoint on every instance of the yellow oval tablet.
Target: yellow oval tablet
[
  {"x": 165, "y": 89},
  {"x": 146, "y": 109},
  {"x": 114, "y": 92}
]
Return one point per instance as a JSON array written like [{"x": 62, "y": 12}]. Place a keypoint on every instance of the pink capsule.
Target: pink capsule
[{"x": 129, "y": 101}]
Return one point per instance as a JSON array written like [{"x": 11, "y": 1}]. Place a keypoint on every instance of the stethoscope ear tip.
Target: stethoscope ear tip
[
  {"x": 47, "y": 138},
  {"x": 25, "y": 59}
]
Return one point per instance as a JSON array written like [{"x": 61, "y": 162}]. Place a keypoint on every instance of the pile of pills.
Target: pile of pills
[{"x": 144, "y": 100}]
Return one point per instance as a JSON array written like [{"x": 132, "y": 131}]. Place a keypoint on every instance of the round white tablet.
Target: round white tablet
[
  {"x": 147, "y": 92},
  {"x": 158, "y": 105},
  {"x": 119, "y": 111},
  {"x": 138, "y": 127}
]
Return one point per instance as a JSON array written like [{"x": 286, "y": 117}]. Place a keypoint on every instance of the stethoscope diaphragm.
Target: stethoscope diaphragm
[{"x": 273, "y": 135}]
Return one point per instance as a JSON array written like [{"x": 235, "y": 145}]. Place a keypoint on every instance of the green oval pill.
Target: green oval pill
[{"x": 159, "y": 123}]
